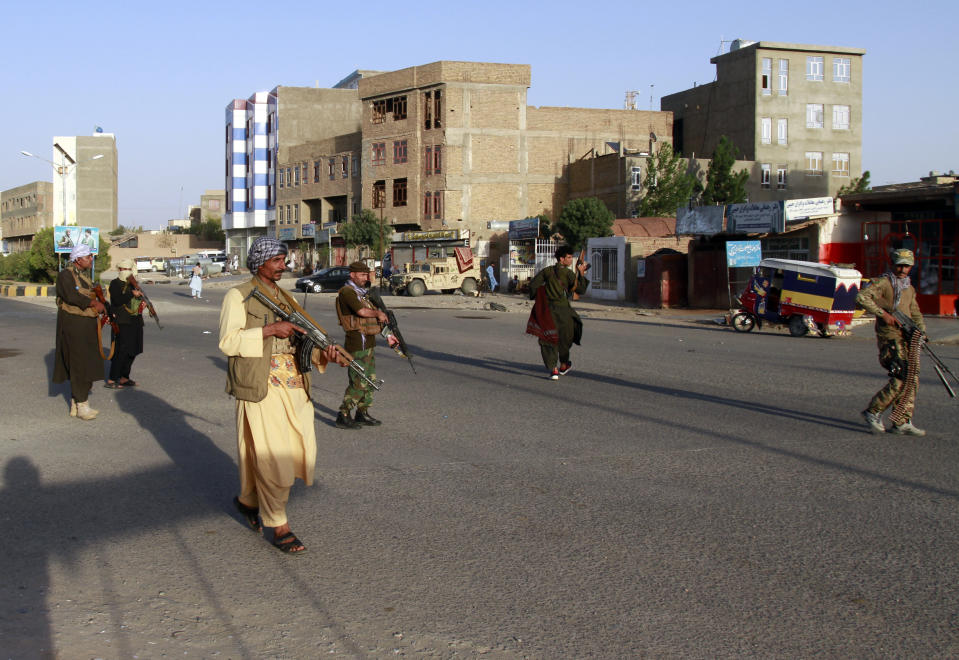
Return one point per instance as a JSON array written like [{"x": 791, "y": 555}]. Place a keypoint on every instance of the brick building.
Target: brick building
[{"x": 24, "y": 210}]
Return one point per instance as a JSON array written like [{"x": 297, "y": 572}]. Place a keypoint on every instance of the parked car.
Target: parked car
[
  {"x": 327, "y": 279},
  {"x": 159, "y": 264},
  {"x": 144, "y": 264},
  {"x": 183, "y": 266}
]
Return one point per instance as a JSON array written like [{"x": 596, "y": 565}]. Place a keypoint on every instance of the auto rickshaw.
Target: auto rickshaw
[{"x": 803, "y": 295}]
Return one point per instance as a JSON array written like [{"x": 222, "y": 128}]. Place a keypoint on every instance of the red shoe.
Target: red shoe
[
  {"x": 565, "y": 368},
  {"x": 554, "y": 374}
]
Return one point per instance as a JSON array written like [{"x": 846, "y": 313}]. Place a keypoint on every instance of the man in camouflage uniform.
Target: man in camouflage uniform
[
  {"x": 559, "y": 282},
  {"x": 894, "y": 291},
  {"x": 362, "y": 322}
]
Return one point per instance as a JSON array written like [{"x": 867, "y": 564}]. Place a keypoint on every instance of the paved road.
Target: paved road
[{"x": 685, "y": 491}]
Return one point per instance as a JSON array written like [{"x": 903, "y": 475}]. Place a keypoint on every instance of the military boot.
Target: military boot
[
  {"x": 85, "y": 412},
  {"x": 363, "y": 417},
  {"x": 344, "y": 421}
]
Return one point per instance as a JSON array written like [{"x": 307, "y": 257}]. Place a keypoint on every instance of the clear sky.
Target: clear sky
[{"x": 159, "y": 75}]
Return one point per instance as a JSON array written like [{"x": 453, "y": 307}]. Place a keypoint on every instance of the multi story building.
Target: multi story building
[
  {"x": 85, "y": 187},
  {"x": 212, "y": 205},
  {"x": 260, "y": 131},
  {"x": 451, "y": 147},
  {"x": 24, "y": 210},
  {"x": 792, "y": 109}
]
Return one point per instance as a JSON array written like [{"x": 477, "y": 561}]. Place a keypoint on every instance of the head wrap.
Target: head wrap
[
  {"x": 263, "y": 249},
  {"x": 127, "y": 264},
  {"x": 903, "y": 257},
  {"x": 80, "y": 251},
  {"x": 359, "y": 267}
]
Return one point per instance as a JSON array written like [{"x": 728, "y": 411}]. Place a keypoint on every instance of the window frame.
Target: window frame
[
  {"x": 814, "y": 158},
  {"x": 400, "y": 192},
  {"x": 815, "y": 68},
  {"x": 766, "y": 76},
  {"x": 837, "y": 113},
  {"x": 814, "y": 115},
  {"x": 782, "y": 132},
  {"x": 765, "y": 171},
  {"x": 840, "y": 65},
  {"x": 783, "y": 85},
  {"x": 840, "y": 158},
  {"x": 400, "y": 152},
  {"x": 766, "y": 130},
  {"x": 377, "y": 154}
]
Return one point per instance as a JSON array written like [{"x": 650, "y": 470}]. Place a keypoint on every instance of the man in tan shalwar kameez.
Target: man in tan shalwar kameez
[{"x": 276, "y": 441}]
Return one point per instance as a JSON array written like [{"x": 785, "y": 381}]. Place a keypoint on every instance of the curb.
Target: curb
[{"x": 26, "y": 290}]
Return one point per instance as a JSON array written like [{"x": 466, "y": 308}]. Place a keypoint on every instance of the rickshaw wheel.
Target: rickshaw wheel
[
  {"x": 797, "y": 326},
  {"x": 743, "y": 322}
]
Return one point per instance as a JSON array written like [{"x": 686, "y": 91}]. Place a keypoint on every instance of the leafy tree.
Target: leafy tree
[
  {"x": 208, "y": 230},
  {"x": 364, "y": 230},
  {"x": 668, "y": 185},
  {"x": 722, "y": 185},
  {"x": 859, "y": 185},
  {"x": 582, "y": 219}
]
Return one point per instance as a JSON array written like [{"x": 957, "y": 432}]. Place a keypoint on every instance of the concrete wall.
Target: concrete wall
[{"x": 162, "y": 245}]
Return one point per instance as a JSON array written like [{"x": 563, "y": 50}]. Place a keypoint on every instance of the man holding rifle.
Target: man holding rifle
[
  {"x": 898, "y": 350},
  {"x": 276, "y": 441},
  {"x": 362, "y": 322},
  {"x": 127, "y": 300}
]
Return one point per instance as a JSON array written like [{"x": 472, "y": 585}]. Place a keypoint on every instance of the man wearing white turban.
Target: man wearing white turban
[{"x": 78, "y": 355}]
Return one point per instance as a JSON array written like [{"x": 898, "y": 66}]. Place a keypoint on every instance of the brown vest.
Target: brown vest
[{"x": 248, "y": 378}]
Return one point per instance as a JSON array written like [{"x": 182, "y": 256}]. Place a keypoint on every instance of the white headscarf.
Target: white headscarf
[{"x": 80, "y": 251}]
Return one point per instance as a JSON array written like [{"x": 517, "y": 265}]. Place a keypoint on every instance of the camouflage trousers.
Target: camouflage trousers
[
  {"x": 359, "y": 393},
  {"x": 899, "y": 391}
]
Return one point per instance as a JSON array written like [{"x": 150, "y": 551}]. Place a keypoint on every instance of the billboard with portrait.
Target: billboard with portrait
[{"x": 65, "y": 238}]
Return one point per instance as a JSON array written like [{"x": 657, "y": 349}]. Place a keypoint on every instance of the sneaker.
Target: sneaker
[
  {"x": 874, "y": 421},
  {"x": 906, "y": 428},
  {"x": 565, "y": 368},
  {"x": 554, "y": 374}
]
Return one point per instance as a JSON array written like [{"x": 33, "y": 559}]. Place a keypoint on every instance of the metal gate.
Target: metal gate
[{"x": 604, "y": 268}]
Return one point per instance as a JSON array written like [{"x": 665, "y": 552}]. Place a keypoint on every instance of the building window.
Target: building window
[
  {"x": 814, "y": 115},
  {"x": 814, "y": 68},
  {"x": 437, "y": 159},
  {"x": 783, "y": 77},
  {"x": 432, "y": 109},
  {"x": 782, "y": 131},
  {"x": 764, "y": 172},
  {"x": 399, "y": 192},
  {"x": 331, "y": 168},
  {"x": 356, "y": 166},
  {"x": 840, "y": 117},
  {"x": 781, "y": 177},
  {"x": 378, "y": 153},
  {"x": 399, "y": 151},
  {"x": 379, "y": 194},
  {"x": 427, "y": 205},
  {"x": 437, "y": 206},
  {"x": 767, "y": 77},
  {"x": 282, "y": 177},
  {"x": 814, "y": 162},
  {"x": 840, "y": 164},
  {"x": 316, "y": 171},
  {"x": 395, "y": 106},
  {"x": 296, "y": 176},
  {"x": 635, "y": 178},
  {"x": 767, "y": 130},
  {"x": 841, "y": 69},
  {"x": 296, "y": 213},
  {"x": 345, "y": 167}
]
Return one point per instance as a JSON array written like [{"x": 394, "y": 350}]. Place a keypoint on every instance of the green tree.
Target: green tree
[
  {"x": 364, "y": 230},
  {"x": 722, "y": 185},
  {"x": 582, "y": 219},
  {"x": 859, "y": 185},
  {"x": 668, "y": 185}
]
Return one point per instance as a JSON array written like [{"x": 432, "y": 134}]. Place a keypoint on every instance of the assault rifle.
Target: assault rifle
[
  {"x": 107, "y": 317},
  {"x": 143, "y": 296},
  {"x": 313, "y": 336},
  {"x": 392, "y": 327},
  {"x": 580, "y": 260},
  {"x": 909, "y": 327}
]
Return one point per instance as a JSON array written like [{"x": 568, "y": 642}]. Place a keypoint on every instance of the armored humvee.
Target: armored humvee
[{"x": 437, "y": 274}]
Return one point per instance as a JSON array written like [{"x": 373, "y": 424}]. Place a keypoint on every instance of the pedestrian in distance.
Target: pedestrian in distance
[
  {"x": 491, "y": 273},
  {"x": 553, "y": 320},
  {"x": 196, "y": 281},
  {"x": 127, "y": 301},
  {"x": 77, "y": 356},
  {"x": 276, "y": 439},
  {"x": 898, "y": 352},
  {"x": 362, "y": 322}
]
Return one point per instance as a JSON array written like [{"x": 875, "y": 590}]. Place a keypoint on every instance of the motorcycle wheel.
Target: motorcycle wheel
[
  {"x": 797, "y": 326},
  {"x": 743, "y": 322}
]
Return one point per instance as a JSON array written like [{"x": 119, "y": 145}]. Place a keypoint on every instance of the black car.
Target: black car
[{"x": 327, "y": 279}]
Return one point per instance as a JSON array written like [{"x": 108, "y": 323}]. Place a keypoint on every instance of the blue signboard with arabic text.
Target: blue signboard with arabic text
[{"x": 743, "y": 254}]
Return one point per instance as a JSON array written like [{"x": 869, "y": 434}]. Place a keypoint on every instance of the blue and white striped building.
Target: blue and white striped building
[{"x": 250, "y": 165}]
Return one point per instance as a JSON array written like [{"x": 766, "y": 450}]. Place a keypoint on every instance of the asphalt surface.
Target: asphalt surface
[{"x": 686, "y": 491}]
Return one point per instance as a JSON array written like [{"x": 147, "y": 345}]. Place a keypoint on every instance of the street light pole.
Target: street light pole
[{"x": 62, "y": 171}]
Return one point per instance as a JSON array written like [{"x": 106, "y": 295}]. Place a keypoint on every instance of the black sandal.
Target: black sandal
[
  {"x": 251, "y": 514},
  {"x": 289, "y": 544}
]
